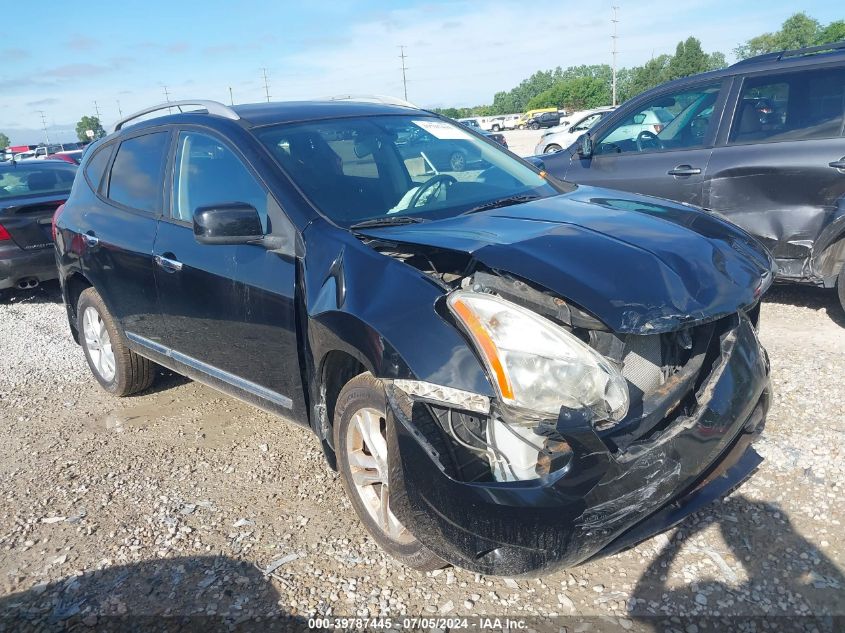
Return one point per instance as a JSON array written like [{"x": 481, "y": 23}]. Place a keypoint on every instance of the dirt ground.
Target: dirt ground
[{"x": 170, "y": 503}]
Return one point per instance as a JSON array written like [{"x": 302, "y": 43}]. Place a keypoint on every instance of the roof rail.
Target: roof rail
[
  {"x": 211, "y": 107},
  {"x": 797, "y": 52},
  {"x": 374, "y": 99}
]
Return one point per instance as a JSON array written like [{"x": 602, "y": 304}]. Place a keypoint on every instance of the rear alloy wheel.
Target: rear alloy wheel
[
  {"x": 360, "y": 435},
  {"x": 553, "y": 148},
  {"x": 119, "y": 370},
  {"x": 840, "y": 287},
  {"x": 496, "y": 128},
  {"x": 535, "y": 126},
  {"x": 457, "y": 161}
]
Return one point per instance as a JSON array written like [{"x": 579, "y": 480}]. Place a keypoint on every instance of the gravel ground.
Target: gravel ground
[{"x": 171, "y": 502}]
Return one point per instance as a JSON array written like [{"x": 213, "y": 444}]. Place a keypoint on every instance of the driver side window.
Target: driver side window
[{"x": 679, "y": 120}]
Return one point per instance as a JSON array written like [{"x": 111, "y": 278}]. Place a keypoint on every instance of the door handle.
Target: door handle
[
  {"x": 91, "y": 239},
  {"x": 684, "y": 170},
  {"x": 167, "y": 264},
  {"x": 838, "y": 164}
]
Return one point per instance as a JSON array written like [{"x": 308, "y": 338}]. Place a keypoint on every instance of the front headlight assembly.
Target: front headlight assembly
[{"x": 535, "y": 364}]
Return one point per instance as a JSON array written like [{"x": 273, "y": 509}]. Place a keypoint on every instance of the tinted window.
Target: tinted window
[
  {"x": 96, "y": 166},
  {"x": 790, "y": 107},
  {"x": 30, "y": 179},
  {"x": 678, "y": 120},
  {"x": 136, "y": 175},
  {"x": 207, "y": 173}
]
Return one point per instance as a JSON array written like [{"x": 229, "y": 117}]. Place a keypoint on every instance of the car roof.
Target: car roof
[{"x": 47, "y": 163}]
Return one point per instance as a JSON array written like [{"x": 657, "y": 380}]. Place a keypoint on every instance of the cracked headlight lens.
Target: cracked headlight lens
[{"x": 536, "y": 364}]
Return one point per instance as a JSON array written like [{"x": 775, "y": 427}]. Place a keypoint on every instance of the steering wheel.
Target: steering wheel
[
  {"x": 645, "y": 134},
  {"x": 442, "y": 180}
]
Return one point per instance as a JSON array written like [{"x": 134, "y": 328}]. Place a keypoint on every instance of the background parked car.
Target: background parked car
[
  {"x": 70, "y": 156},
  {"x": 561, "y": 136},
  {"x": 544, "y": 119},
  {"x": 441, "y": 155},
  {"x": 523, "y": 120},
  {"x": 29, "y": 195},
  {"x": 760, "y": 142}
]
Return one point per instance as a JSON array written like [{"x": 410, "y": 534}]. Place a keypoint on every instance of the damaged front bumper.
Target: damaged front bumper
[{"x": 607, "y": 498}]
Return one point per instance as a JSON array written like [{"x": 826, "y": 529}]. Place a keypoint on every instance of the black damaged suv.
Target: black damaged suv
[{"x": 511, "y": 373}]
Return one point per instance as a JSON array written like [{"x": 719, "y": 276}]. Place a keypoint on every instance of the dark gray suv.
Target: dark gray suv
[{"x": 760, "y": 142}]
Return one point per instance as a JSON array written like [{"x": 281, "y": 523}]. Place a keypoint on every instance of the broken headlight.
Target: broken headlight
[{"x": 535, "y": 364}]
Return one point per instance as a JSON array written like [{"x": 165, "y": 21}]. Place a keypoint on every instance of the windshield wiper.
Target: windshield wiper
[
  {"x": 502, "y": 202},
  {"x": 389, "y": 220}
]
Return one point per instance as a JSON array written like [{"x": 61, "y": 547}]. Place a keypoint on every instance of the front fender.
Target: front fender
[{"x": 383, "y": 312}]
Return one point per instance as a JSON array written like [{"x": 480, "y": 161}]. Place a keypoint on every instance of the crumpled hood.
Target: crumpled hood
[{"x": 640, "y": 264}]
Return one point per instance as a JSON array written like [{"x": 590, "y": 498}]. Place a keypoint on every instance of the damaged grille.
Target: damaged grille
[{"x": 642, "y": 362}]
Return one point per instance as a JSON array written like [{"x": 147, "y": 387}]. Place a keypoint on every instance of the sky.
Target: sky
[{"x": 61, "y": 57}]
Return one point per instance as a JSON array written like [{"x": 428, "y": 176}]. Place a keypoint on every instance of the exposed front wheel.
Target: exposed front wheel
[
  {"x": 360, "y": 435},
  {"x": 840, "y": 287},
  {"x": 119, "y": 370}
]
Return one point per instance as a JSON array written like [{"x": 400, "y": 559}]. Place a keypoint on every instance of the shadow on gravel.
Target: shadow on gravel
[
  {"x": 782, "y": 582},
  {"x": 48, "y": 292},
  {"x": 808, "y": 297},
  {"x": 204, "y": 593}
]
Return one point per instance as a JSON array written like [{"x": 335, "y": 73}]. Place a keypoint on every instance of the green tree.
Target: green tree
[
  {"x": 689, "y": 59},
  {"x": 642, "y": 78},
  {"x": 797, "y": 31},
  {"x": 4, "y": 141},
  {"x": 578, "y": 93},
  {"x": 89, "y": 123},
  {"x": 833, "y": 32}
]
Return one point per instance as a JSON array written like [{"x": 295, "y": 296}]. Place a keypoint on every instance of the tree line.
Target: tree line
[{"x": 590, "y": 86}]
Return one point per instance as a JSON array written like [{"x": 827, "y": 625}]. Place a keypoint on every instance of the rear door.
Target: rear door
[
  {"x": 229, "y": 310},
  {"x": 117, "y": 246},
  {"x": 667, "y": 160},
  {"x": 779, "y": 169}
]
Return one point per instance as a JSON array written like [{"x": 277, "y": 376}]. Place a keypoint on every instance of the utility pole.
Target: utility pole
[
  {"x": 97, "y": 109},
  {"x": 44, "y": 125},
  {"x": 231, "y": 98},
  {"x": 404, "y": 68},
  {"x": 266, "y": 85},
  {"x": 119, "y": 111},
  {"x": 613, "y": 37},
  {"x": 166, "y": 93}
]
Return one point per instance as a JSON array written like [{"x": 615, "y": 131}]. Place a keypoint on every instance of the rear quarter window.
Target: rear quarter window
[
  {"x": 137, "y": 174},
  {"x": 95, "y": 168}
]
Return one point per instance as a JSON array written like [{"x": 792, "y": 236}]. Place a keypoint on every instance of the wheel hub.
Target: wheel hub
[
  {"x": 366, "y": 443},
  {"x": 98, "y": 344}
]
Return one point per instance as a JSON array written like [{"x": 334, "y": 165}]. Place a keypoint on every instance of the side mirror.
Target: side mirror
[
  {"x": 585, "y": 146},
  {"x": 227, "y": 223}
]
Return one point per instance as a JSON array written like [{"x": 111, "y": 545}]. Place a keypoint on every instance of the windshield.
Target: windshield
[
  {"x": 36, "y": 178},
  {"x": 388, "y": 167}
]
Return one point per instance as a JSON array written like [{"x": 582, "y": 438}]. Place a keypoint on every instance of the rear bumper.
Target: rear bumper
[
  {"x": 605, "y": 501},
  {"x": 17, "y": 264}
]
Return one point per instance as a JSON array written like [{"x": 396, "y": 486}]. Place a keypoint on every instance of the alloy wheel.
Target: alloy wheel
[
  {"x": 98, "y": 343},
  {"x": 366, "y": 445}
]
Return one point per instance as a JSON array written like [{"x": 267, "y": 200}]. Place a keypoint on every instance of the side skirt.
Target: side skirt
[{"x": 230, "y": 384}]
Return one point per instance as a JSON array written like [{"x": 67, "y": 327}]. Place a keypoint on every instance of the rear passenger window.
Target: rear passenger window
[
  {"x": 136, "y": 175},
  {"x": 790, "y": 107},
  {"x": 96, "y": 167}
]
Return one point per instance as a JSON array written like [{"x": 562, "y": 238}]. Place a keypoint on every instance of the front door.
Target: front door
[
  {"x": 780, "y": 173},
  {"x": 661, "y": 148},
  {"x": 228, "y": 309}
]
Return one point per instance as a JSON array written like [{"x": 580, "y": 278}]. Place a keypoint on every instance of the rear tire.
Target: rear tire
[
  {"x": 535, "y": 126},
  {"x": 359, "y": 423},
  {"x": 118, "y": 369},
  {"x": 552, "y": 148},
  {"x": 496, "y": 128},
  {"x": 840, "y": 287}
]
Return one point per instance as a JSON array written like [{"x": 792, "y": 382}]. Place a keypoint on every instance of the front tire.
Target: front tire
[
  {"x": 535, "y": 126},
  {"x": 496, "y": 128},
  {"x": 118, "y": 369},
  {"x": 840, "y": 287},
  {"x": 552, "y": 148},
  {"x": 360, "y": 439}
]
